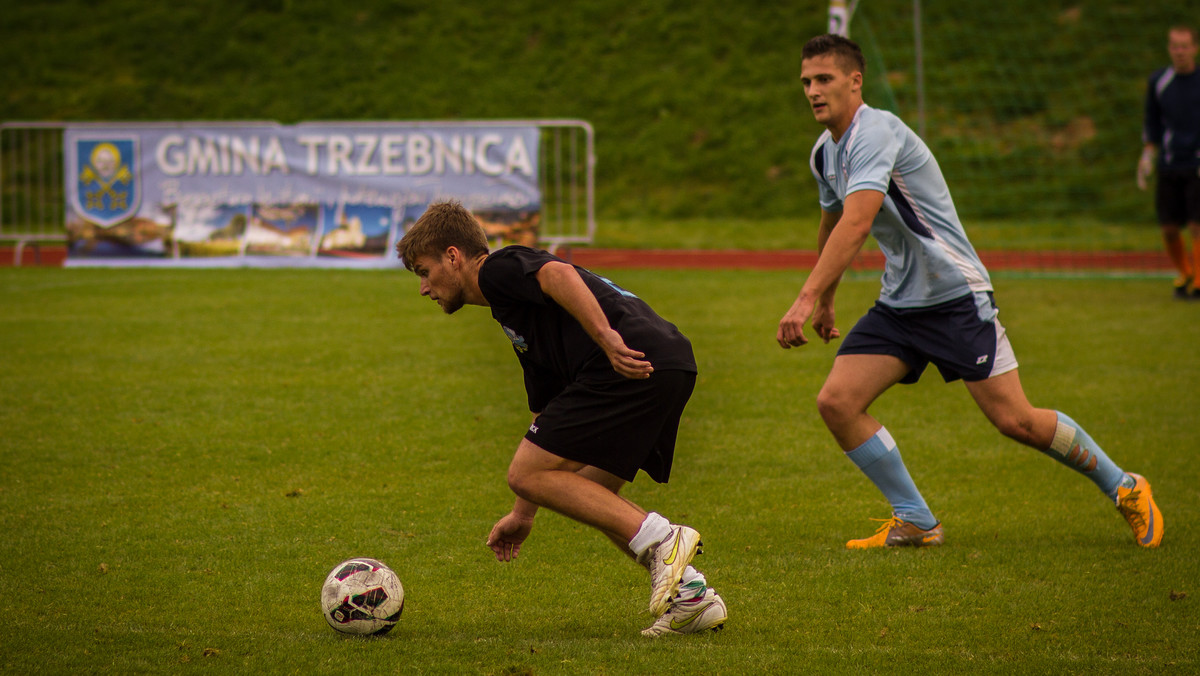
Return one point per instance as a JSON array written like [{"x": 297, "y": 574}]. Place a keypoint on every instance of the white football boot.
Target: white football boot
[
  {"x": 704, "y": 612},
  {"x": 668, "y": 561}
]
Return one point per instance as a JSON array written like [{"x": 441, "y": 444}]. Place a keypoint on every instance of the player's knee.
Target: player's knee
[
  {"x": 833, "y": 407},
  {"x": 519, "y": 482},
  {"x": 1016, "y": 427}
]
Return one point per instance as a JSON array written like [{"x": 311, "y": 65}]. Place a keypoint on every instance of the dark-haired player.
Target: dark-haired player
[
  {"x": 876, "y": 177},
  {"x": 607, "y": 380}
]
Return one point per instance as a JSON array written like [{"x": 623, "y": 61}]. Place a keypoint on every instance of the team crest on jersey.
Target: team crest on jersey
[
  {"x": 103, "y": 180},
  {"x": 517, "y": 339},
  {"x": 616, "y": 288}
]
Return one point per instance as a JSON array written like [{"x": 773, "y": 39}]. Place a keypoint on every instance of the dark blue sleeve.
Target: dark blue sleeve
[{"x": 1152, "y": 126}]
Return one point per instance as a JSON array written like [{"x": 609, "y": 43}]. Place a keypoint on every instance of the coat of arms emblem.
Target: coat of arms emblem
[{"x": 103, "y": 182}]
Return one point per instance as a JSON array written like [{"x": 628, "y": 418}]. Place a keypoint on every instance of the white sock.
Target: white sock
[{"x": 655, "y": 528}]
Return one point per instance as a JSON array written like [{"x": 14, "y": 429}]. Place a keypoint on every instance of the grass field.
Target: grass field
[
  {"x": 698, "y": 111},
  {"x": 800, "y": 232},
  {"x": 187, "y": 453}
]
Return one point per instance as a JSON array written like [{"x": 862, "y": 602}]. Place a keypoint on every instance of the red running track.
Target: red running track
[{"x": 1114, "y": 261}]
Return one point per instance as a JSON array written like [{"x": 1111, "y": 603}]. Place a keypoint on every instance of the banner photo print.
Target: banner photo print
[{"x": 313, "y": 194}]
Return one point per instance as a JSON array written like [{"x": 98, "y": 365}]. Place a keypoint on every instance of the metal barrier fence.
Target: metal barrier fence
[
  {"x": 567, "y": 160},
  {"x": 33, "y": 204}
]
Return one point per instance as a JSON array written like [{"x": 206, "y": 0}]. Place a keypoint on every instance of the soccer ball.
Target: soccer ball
[{"x": 362, "y": 596}]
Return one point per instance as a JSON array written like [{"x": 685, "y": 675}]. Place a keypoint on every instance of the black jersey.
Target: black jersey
[
  {"x": 1172, "y": 120},
  {"x": 552, "y": 346}
]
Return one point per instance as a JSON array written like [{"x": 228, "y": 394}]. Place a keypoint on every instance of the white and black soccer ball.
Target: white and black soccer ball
[{"x": 362, "y": 596}]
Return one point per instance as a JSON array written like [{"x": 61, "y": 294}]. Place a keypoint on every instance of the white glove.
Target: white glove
[{"x": 1145, "y": 168}]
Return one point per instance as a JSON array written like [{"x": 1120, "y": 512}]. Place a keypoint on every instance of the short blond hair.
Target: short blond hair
[{"x": 443, "y": 225}]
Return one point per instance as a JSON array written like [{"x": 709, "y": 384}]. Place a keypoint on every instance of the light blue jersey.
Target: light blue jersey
[{"x": 929, "y": 259}]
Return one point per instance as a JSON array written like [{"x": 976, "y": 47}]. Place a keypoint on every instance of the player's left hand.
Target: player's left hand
[
  {"x": 507, "y": 535},
  {"x": 822, "y": 323},
  {"x": 625, "y": 361}
]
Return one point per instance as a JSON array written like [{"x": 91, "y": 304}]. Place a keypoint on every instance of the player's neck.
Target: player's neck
[
  {"x": 839, "y": 128},
  {"x": 471, "y": 282}
]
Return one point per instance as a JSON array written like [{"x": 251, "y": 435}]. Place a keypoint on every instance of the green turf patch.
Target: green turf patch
[
  {"x": 187, "y": 453},
  {"x": 800, "y": 233}
]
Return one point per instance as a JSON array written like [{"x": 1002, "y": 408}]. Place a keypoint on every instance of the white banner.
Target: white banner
[{"x": 207, "y": 194}]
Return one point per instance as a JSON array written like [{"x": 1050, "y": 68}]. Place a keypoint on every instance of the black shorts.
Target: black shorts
[
  {"x": 962, "y": 337},
  {"x": 1177, "y": 196},
  {"x": 618, "y": 426}
]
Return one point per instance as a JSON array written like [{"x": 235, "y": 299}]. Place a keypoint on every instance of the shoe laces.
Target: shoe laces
[
  {"x": 1128, "y": 506},
  {"x": 888, "y": 523}
]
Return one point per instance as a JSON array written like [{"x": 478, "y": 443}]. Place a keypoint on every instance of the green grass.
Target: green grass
[
  {"x": 1034, "y": 108},
  {"x": 773, "y": 234},
  {"x": 187, "y": 453}
]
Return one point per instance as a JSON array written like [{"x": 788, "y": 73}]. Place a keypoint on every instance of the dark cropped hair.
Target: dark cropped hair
[
  {"x": 1184, "y": 28},
  {"x": 845, "y": 50},
  {"x": 443, "y": 225}
]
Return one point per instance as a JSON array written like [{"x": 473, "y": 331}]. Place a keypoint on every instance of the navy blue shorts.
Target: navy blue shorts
[
  {"x": 962, "y": 337},
  {"x": 619, "y": 426},
  {"x": 1177, "y": 196}
]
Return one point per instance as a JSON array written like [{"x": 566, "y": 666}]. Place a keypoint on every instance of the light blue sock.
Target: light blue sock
[
  {"x": 879, "y": 459},
  {"x": 1075, "y": 448}
]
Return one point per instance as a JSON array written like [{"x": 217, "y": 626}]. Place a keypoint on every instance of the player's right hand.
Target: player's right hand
[
  {"x": 1145, "y": 169},
  {"x": 507, "y": 535},
  {"x": 791, "y": 327}
]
